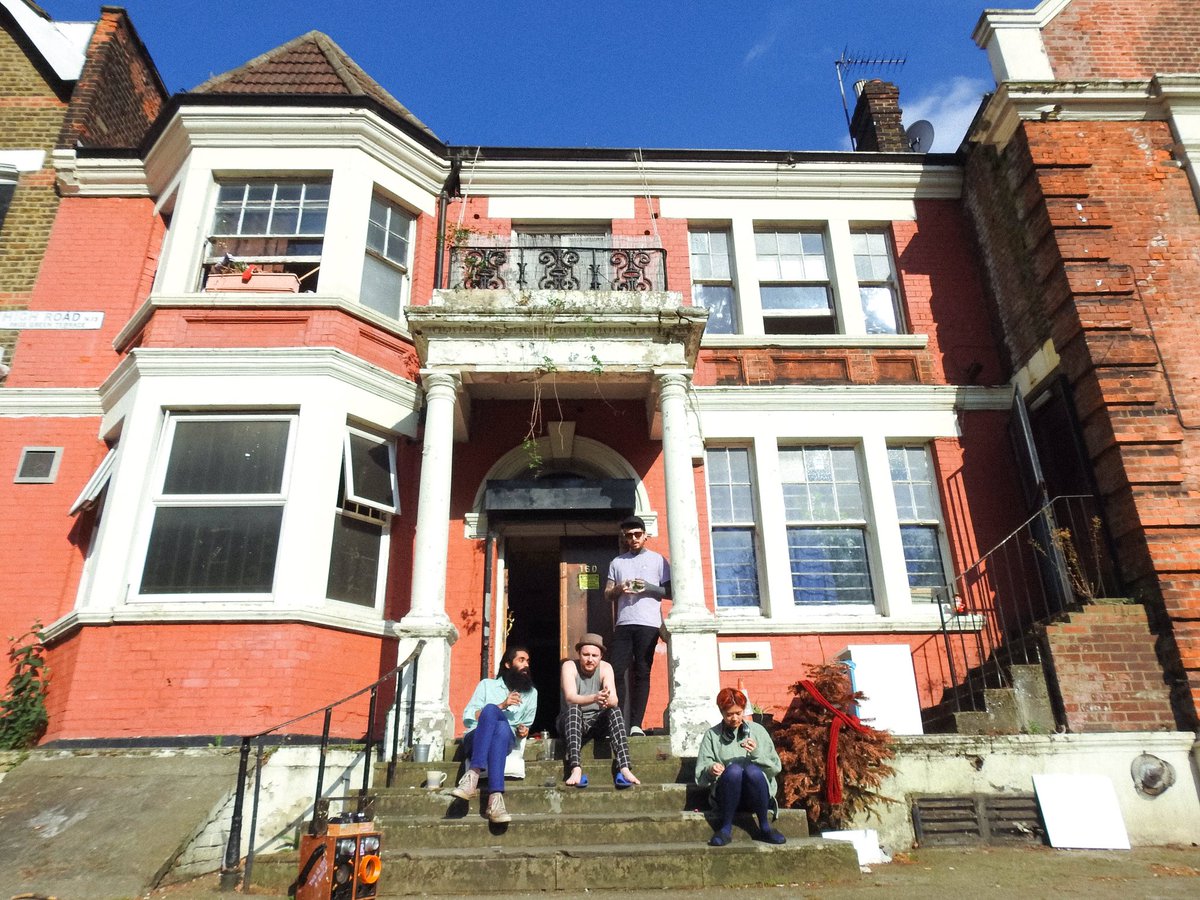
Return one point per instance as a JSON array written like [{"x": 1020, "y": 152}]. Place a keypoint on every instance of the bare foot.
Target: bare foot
[
  {"x": 629, "y": 776},
  {"x": 576, "y": 774}
]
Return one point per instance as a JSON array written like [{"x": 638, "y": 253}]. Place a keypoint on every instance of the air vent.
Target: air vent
[
  {"x": 977, "y": 819},
  {"x": 38, "y": 465}
]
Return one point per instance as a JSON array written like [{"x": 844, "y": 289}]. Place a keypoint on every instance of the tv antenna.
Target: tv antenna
[{"x": 847, "y": 63}]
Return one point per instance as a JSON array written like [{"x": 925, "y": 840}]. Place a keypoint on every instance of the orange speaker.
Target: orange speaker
[{"x": 342, "y": 864}]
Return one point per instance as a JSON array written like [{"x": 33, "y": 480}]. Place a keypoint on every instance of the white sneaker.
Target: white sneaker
[
  {"x": 496, "y": 812},
  {"x": 636, "y": 731},
  {"x": 468, "y": 785}
]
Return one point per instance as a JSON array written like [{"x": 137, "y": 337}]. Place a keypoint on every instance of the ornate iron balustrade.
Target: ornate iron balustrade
[{"x": 558, "y": 268}]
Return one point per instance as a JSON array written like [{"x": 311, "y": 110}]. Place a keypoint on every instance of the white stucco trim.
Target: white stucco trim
[
  {"x": 99, "y": 177},
  {"x": 848, "y": 399},
  {"x": 1013, "y": 41},
  {"x": 812, "y": 341},
  {"x": 50, "y": 402},
  {"x": 560, "y": 209},
  {"x": 15, "y": 161},
  {"x": 63, "y": 45}
]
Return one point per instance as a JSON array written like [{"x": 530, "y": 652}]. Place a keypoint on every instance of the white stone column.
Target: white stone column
[
  {"x": 427, "y": 619},
  {"x": 692, "y": 649}
]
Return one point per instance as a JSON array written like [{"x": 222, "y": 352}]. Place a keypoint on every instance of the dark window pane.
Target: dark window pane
[
  {"x": 227, "y": 457},
  {"x": 371, "y": 470},
  {"x": 735, "y": 567},
  {"x": 829, "y": 565},
  {"x": 213, "y": 549},
  {"x": 922, "y": 556},
  {"x": 354, "y": 561}
]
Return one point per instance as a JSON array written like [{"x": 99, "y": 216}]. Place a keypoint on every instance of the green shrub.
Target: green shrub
[{"x": 23, "y": 716}]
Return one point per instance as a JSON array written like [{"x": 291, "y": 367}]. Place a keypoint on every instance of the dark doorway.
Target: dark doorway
[{"x": 555, "y": 593}]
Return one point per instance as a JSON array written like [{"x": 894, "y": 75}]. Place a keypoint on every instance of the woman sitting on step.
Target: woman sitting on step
[{"x": 738, "y": 762}]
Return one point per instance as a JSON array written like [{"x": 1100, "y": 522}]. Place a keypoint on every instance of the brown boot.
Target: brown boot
[{"x": 496, "y": 813}]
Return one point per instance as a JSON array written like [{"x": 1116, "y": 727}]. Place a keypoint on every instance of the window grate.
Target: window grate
[
  {"x": 977, "y": 819},
  {"x": 38, "y": 465}
]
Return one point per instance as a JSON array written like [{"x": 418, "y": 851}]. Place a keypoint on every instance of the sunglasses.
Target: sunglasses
[{"x": 633, "y": 533}]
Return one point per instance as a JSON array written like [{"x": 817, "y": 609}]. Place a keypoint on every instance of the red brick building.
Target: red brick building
[
  {"x": 354, "y": 387},
  {"x": 1082, "y": 181}
]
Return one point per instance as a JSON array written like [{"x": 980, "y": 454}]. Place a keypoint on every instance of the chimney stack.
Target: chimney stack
[{"x": 876, "y": 126}]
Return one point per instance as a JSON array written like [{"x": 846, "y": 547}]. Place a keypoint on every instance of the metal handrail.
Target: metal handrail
[
  {"x": 229, "y": 868},
  {"x": 1053, "y": 562}
]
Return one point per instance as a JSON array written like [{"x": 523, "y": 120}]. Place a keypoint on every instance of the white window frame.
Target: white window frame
[
  {"x": 936, "y": 523},
  {"x": 862, "y": 524},
  {"x": 219, "y": 245},
  {"x": 709, "y": 279},
  {"x": 384, "y": 257},
  {"x": 831, "y": 313},
  {"x": 890, "y": 280},
  {"x": 160, "y": 500},
  {"x": 369, "y": 511},
  {"x": 751, "y": 526}
]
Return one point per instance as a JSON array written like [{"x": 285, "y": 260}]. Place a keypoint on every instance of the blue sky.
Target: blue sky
[{"x": 621, "y": 73}]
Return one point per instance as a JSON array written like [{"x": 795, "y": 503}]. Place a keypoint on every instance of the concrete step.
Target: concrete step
[
  {"x": 517, "y": 867},
  {"x": 558, "y": 829},
  {"x": 599, "y": 797},
  {"x": 545, "y": 772}
]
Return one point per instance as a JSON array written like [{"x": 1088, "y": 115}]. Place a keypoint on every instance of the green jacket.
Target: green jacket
[{"x": 720, "y": 745}]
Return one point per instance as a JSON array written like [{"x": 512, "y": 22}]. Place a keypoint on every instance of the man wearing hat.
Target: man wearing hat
[{"x": 590, "y": 709}]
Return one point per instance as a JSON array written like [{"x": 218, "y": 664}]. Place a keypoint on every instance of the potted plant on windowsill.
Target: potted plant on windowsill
[{"x": 232, "y": 275}]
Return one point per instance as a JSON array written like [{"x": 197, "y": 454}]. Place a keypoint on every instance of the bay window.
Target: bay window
[
  {"x": 388, "y": 257},
  {"x": 367, "y": 499},
  {"x": 219, "y": 505},
  {"x": 270, "y": 225}
]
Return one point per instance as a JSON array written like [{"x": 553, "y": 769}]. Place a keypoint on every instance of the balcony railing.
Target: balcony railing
[{"x": 558, "y": 268}]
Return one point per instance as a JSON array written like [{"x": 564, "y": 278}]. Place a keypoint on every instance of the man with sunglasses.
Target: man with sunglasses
[{"x": 638, "y": 581}]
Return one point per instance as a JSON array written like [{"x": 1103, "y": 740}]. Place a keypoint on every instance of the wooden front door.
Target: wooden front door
[{"x": 583, "y": 569}]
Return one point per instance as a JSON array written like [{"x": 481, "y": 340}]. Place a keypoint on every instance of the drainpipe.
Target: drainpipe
[
  {"x": 486, "y": 651},
  {"x": 449, "y": 189}
]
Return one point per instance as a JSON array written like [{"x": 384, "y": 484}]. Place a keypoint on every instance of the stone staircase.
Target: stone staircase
[
  {"x": 1022, "y": 707},
  {"x": 651, "y": 836}
]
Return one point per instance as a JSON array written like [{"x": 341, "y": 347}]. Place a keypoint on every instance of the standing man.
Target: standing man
[
  {"x": 500, "y": 710},
  {"x": 589, "y": 709},
  {"x": 638, "y": 580}
]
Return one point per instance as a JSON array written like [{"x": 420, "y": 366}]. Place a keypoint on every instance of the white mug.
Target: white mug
[{"x": 434, "y": 779}]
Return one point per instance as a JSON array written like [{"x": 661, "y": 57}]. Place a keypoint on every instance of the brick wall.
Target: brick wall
[
  {"x": 1095, "y": 39},
  {"x": 119, "y": 94},
  {"x": 1099, "y": 226},
  {"x": 1107, "y": 673},
  {"x": 207, "y": 679},
  {"x": 31, "y": 114},
  {"x": 109, "y": 269}
]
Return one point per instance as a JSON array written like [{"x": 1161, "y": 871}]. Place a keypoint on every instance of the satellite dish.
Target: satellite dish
[{"x": 920, "y": 136}]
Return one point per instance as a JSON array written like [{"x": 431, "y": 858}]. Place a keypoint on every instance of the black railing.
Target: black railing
[
  {"x": 558, "y": 268},
  {"x": 1056, "y": 561},
  {"x": 229, "y": 868}
]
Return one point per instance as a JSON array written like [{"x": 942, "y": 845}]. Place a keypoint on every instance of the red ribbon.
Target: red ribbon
[{"x": 833, "y": 779}]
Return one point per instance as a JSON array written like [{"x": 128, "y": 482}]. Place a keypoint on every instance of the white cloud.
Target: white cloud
[
  {"x": 758, "y": 50},
  {"x": 950, "y": 106}
]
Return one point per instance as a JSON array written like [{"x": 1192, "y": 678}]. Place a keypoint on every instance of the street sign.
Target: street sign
[{"x": 49, "y": 319}]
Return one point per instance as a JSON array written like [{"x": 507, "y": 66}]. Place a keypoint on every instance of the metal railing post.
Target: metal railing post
[{"x": 233, "y": 847}]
